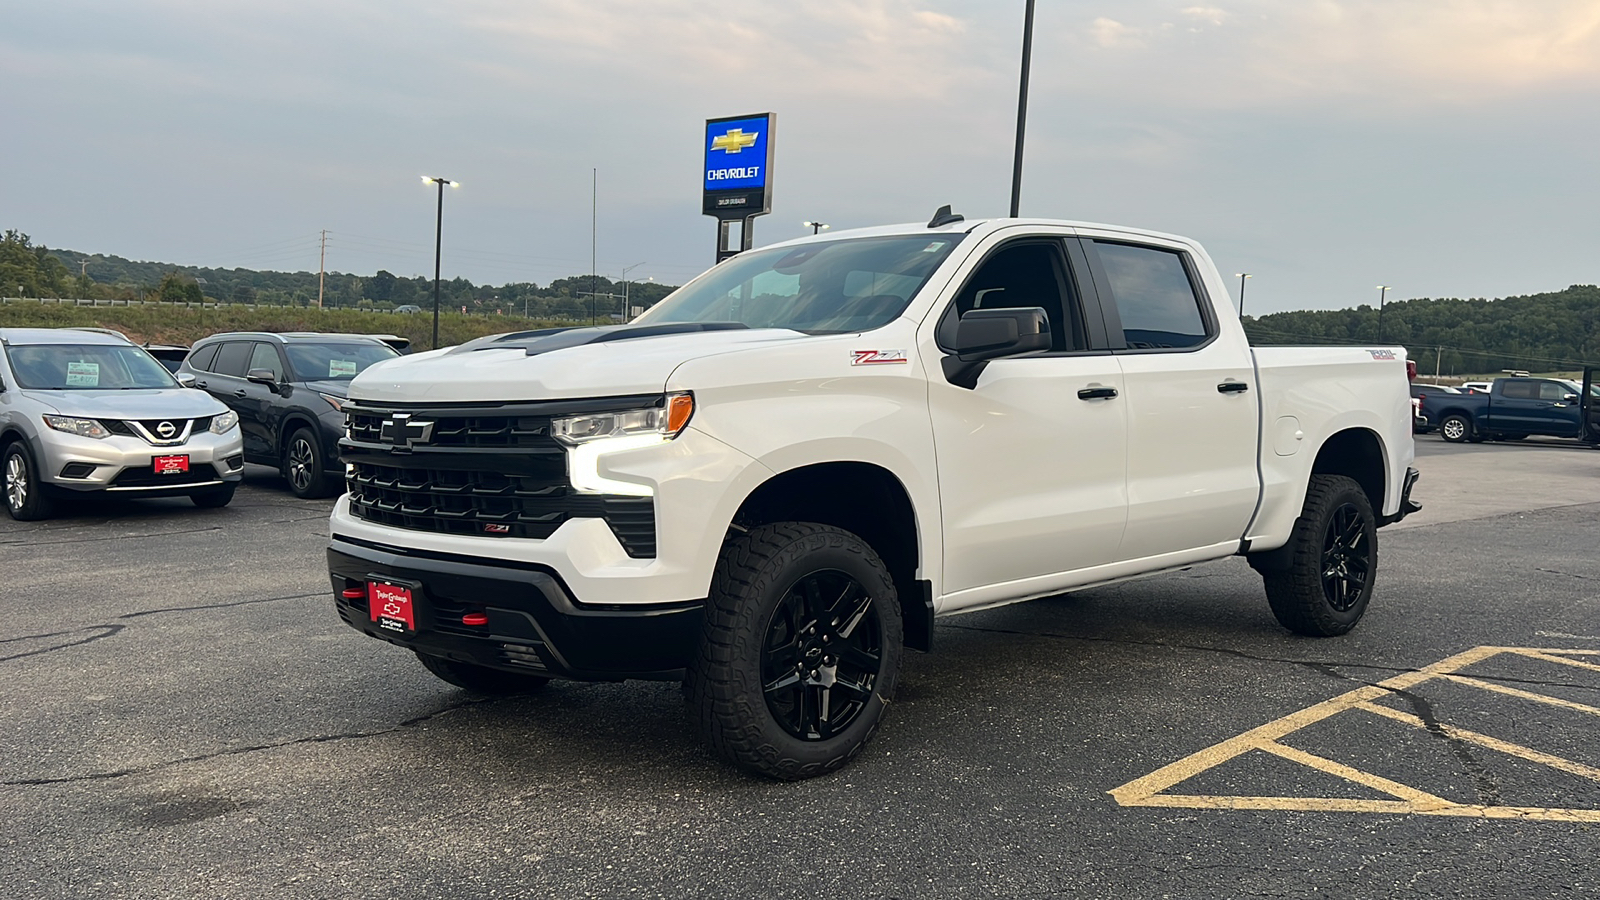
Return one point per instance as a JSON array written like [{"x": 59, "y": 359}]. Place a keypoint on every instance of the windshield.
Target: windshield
[
  {"x": 87, "y": 367},
  {"x": 335, "y": 362},
  {"x": 818, "y": 288}
]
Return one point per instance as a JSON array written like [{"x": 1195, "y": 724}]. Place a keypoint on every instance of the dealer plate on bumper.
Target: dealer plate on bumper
[
  {"x": 392, "y": 606},
  {"x": 170, "y": 465}
]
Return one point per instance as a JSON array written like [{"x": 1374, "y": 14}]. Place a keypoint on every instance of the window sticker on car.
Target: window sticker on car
[
  {"x": 934, "y": 247},
  {"x": 83, "y": 374},
  {"x": 338, "y": 368}
]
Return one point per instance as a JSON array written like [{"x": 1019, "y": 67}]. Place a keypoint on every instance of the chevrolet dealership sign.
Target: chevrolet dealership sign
[{"x": 738, "y": 166}]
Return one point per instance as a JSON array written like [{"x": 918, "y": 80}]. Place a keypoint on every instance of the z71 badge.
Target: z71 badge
[{"x": 877, "y": 357}]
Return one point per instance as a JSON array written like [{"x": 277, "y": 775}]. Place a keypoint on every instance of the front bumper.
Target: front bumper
[
  {"x": 534, "y": 624},
  {"x": 122, "y": 465}
]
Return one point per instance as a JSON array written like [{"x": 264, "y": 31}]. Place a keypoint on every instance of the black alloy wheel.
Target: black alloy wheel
[
  {"x": 822, "y": 655},
  {"x": 1346, "y": 562},
  {"x": 800, "y": 650},
  {"x": 1320, "y": 582}
]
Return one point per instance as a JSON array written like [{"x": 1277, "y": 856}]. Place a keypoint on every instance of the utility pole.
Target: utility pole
[
  {"x": 438, "y": 232},
  {"x": 322, "y": 266},
  {"x": 594, "y": 239},
  {"x": 1022, "y": 110},
  {"x": 1242, "y": 277},
  {"x": 1438, "y": 355},
  {"x": 1383, "y": 292}
]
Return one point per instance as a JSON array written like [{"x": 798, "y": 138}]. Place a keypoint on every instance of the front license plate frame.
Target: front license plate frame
[
  {"x": 176, "y": 464},
  {"x": 393, "y": 606}
]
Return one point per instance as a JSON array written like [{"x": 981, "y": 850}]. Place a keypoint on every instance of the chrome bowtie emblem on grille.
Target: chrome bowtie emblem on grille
[
  {"x": 402, "y": 431},
  {"x": 166, "y": 430}
]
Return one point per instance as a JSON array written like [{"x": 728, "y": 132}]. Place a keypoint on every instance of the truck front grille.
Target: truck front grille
[{"x": 493, "y": 472}]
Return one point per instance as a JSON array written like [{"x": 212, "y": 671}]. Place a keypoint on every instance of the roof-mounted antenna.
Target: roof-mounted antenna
[{"x": 945, "y": 217}]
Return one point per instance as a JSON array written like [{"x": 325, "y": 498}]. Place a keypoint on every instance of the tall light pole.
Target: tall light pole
[
  {"x": 1022, "y": 109},
  {"x": 1242, "y": 277},
  {"x": 1383, "y": 291},
  {"x": 816, "y": 226},
  {"x": 625, "y": 271},
  {"x": 438, "y": 233}
]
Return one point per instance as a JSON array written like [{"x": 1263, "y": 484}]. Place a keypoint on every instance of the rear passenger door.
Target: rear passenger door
[{"x": 1190, "y": 392}]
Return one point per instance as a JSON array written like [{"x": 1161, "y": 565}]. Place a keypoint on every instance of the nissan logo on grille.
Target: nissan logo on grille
[
  {"x": 402, "y": 431},
  {"x": 166, "y": 430}
]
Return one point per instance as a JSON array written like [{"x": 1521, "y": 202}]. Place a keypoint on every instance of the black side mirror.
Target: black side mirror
[
  {"x": 263, "y": 377},
  {"x": 985, "y": 334}
]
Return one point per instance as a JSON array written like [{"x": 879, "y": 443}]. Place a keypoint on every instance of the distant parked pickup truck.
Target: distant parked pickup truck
[{"x": 1515, "y": 408}]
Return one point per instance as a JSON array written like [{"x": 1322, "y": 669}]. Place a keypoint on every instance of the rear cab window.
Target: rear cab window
[{"x": 1155, "y": 294}]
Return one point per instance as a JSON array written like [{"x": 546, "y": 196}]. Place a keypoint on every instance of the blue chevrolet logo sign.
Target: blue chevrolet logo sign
[{"x": 736, "y": 154}]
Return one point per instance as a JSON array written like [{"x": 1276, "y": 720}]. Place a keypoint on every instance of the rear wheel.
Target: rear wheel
[
  {"x": 1455, "y": 429},
  {"x": 26, "y": 500},
  {"x": 1332, "y": 561},
  {"x": 800, "y": 653},
  {"x": 304, "y": 466},
  {"x": 481, "y": 679}
]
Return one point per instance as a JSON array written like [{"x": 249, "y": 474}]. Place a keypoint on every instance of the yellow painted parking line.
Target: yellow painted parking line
[
  {"x": 1522, "y": 695},
  {"x": 1151, "y": 789}
]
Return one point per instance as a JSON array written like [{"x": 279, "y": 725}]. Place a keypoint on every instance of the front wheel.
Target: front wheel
[
  {"x": 1455, "y": 429},
  {"x": 480, "y": 679},
  {"x": 800, "y": 652},
  {"x": 215, "y": 498},
  {"x": 25, "y": 497},
  {"x": 303, "y": 465},
  {"x": 1332, "y": 561}
]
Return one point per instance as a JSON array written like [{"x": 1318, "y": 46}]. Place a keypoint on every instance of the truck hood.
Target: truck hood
[
  {"x": 156, "y": 403},
  {"x": 556, "y": 364}
]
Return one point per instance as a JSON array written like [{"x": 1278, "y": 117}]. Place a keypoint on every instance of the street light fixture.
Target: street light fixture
[
  {"x": 625, "y": 271},
  {"x": 816, "y": 226},
  {"x": 1383, "y": 291},
  {"x": 1242, "y": 276},
  {"x": 438, "y": 232}
]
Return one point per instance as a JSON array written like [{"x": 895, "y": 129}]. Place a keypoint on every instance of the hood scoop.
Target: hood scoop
[{"x": 549, "y": 339}]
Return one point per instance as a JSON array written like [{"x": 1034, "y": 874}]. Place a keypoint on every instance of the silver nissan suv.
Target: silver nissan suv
[{"x": 86, "y": 411}]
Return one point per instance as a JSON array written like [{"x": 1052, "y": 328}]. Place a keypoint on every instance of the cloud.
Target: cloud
[
  {"x": 1211, "y": 15},
  {"x": 1111, "y": 33}
]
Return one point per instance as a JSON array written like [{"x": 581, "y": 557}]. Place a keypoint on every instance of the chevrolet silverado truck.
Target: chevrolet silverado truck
[
  {"x": 1519, "y": 407},
  {"x": 778, "y": 478}
]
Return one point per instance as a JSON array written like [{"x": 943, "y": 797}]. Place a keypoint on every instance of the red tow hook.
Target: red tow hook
[
  {"x": 359, "y": 593},
  {"x": 476, "y": 618}
]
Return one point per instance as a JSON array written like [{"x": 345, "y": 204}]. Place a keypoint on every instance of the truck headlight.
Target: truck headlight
[
  {"x": 663, "y": 421},
  {"x": 224, "y": 423},
  {"x": 588, "y": 437},
  {"x": 81, "y": 427}
]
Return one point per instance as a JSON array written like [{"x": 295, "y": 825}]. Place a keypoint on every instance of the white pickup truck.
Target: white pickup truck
[{"x": 784, "y": 472}]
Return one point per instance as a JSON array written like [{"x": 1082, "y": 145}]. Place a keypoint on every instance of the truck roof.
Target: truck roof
[{"x": 967, "y": 226}]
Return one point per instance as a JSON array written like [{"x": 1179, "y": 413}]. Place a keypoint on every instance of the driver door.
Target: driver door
[{"x": 1032, "y": 461}]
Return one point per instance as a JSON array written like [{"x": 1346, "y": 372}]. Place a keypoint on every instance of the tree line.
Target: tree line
[
  {"x": 1555, "y": 331},
  {"x": 34, "y": 270}
]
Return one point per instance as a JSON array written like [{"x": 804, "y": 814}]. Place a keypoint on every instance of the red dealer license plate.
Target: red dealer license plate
[
  {"x": 391, "y": 607},
  {"x": 170, "y": 465}
]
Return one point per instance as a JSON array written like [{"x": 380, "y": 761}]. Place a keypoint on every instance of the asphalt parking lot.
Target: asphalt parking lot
[{"x": 182, "y": 714}]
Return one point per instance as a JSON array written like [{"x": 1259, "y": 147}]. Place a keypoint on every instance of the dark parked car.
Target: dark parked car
[
  {"x": 289, "y": 392},
  {"x": 169, "y": 355}
]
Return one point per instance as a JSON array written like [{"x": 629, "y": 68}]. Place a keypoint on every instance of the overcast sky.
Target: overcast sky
[{"x": 1445, "y": 147}]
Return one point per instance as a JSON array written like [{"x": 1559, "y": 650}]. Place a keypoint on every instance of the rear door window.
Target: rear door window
[
  {"x": 1154, "y": 295},
  {"x": 233, "y": 358},
  {"x": 1519, "y": 390}
]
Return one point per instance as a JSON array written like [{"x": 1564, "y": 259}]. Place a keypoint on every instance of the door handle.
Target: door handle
[
  {"x": 1097, "y": 393},
  {"x": 1232, "y": 387},
  {"x": 241, "y": 393},
  {"x": 200, "y": 384}
]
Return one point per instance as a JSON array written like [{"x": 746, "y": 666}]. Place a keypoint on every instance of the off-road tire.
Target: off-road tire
[
  {"x": 1304, "y": 594},
  {"x": 21, "y": 487},
  {"x": 1455, "y": 428},
  {"x": 760, "y": 582},
  {"x": 304, "y": 466},
  {"x": 481, "y": 679},
  {"x": 215, "y": 498}
]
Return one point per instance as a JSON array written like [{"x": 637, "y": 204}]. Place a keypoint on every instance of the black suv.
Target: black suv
[{"x": 289, "y": 391}]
